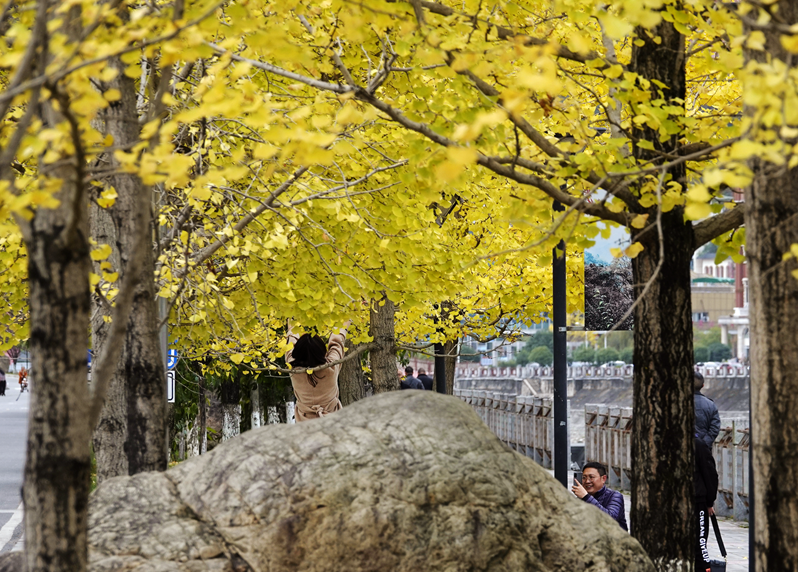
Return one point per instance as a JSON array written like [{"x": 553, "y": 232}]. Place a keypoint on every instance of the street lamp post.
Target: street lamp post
[{"x": 561, "y": 460}]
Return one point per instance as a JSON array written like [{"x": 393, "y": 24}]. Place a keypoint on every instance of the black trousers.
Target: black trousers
[{"x": 702, "y": 534}]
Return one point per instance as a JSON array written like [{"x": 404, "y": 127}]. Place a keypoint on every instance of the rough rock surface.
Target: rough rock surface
[{"x": 405, "y": 481}]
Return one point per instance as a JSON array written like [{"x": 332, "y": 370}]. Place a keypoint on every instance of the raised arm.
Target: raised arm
[
  {"x": 335, "y": 347},
  {"x": 290, "y": 331}
]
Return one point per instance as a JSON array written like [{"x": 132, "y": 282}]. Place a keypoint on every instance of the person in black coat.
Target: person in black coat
[
  {"x": 425, "y": 379},
  {"x": 705, "y": 480},
  {"x": 410, "y": 382}
]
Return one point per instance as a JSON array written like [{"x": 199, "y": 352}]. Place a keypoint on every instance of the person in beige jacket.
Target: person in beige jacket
[{"x": 316, "y": 392}]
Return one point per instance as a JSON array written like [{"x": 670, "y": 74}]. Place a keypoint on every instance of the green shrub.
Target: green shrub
[
  {"x": 605, "y": 355},
  {"x": 585, "y": 354},
  {"x": 719, "y": 352},
  {"x": 627, "y": 355},
  {"x": 541, "y": 355}
]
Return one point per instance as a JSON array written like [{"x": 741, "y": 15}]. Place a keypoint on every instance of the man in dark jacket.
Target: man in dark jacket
[
  {"x": 707, "y": 419},
  {"x": 593, "y": 490},
  {"x": 705, "y": 480},
  {"x": 426, "y": 380},
  {"x": 410, "y": 382}
]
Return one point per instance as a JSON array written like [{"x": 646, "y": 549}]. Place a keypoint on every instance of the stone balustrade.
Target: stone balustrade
[{"x": 465, "y": 371}]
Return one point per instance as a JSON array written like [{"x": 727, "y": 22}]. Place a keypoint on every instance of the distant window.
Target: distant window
[
  {"x": 708, "y": 271},
  {"x": 700, "y": 317},
  {"x": 720, "y": 271}
]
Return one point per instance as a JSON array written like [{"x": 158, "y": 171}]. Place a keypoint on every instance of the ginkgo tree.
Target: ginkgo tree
[{"x": 651, "y": 96}]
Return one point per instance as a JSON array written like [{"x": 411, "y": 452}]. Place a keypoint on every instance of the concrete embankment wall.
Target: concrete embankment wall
[{"x": 729, "y": 393}]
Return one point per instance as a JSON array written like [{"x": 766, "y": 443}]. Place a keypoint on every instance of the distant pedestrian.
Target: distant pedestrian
[
  {"x": 23, "y": 379},
  {"x": 593, "y": 490},
  {"x": 316, "y": 392},
  {"x": 410, "y": 382},
  {"x": 426, "y": 380},
  {"x": 707, "y": 419},
  {"x": 2, "y": 382},
  {"x": 705, "y": 481}
]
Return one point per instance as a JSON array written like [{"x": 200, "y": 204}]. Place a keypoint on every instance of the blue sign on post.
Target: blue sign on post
[{"x": 171, "y": 359}]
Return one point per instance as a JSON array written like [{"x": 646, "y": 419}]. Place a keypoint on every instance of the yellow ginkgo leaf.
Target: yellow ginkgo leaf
[
  {"x": 697, "y": 211},
  {"x": 634, "y": 250},
  {"x": 639, "y": 221},
  {"x": 101, "y": 253}
]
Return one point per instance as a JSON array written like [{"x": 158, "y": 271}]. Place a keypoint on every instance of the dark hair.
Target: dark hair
[
  {"x": 422, "y": 371},
  {"x": 698, "y": 382},
  {"x": 409, "y": 370},
  {"x": 602, "y": 470},
  {"x": 309, "y": 351}
]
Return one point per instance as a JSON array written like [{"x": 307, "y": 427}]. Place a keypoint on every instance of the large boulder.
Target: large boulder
[{"x": 406, "y": 481}]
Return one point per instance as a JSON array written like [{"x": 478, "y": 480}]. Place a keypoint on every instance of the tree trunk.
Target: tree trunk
[
  {"x": 231, "y": 409},
  {"x": 383, "y": 359},
  {"x": 663, "y": 426},
  {"x": 351, "y": 383},
  {"x": 772, "y": 209},
  {"x": 771, "y": 230},
  {"x": 58, "y": 463},
  {"x": 139, "y": 385},
  {"x": 111, "y": 432},
  {"x": 450, "y": 350},
  {"x": 202, "y": 408},
  {"x": 257, "y": 413},
  {"x": 192, "y": 440},
  {"x": 662, "y": 435},
  {"x": 272, "y": 416}
]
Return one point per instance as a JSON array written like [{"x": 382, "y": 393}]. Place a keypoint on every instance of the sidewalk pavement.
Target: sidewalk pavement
[{"x": 735, "y": 539}]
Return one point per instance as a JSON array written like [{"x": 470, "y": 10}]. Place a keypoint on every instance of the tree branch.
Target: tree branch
[
  {"x": 506, "y": 34},
  {"x": 312, "y": 82},
  {"x": 209, "y": 250},
  {"x": 350, "y": 356},
  {"x": 713, "y": 227}
]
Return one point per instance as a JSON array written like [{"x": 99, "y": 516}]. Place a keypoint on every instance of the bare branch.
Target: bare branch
[
  {"x": 208, "y": 251},
  {"x": 312, "y": 82}
]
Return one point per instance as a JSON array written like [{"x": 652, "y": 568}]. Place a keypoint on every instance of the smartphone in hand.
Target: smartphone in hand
[{"x": 578, "y": 477}]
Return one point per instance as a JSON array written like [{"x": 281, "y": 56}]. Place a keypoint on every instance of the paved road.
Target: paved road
[{"x": 13, "y": 435}]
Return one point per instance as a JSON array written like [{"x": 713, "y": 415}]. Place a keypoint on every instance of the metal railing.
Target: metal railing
[{"x": 526, "y": 424}]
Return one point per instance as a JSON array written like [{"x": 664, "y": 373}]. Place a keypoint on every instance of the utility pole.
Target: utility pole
[{"x": 560, "y": 400}]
